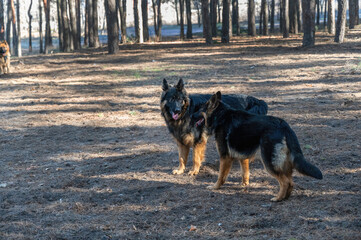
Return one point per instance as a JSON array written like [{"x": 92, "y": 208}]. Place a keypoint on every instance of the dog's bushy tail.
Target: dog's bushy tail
[{"x": 299, "y": 161}]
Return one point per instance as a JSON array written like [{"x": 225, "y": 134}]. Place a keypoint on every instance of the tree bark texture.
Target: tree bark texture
[
  {"x": 331, "y": 25},
  {"x": 206, "y": 22},
  {"x": 235, "y": 17},
  {"x": 285, "y": 17},
  {"x": 265, "y": 17},
  {"x": 30, "y": 27},
  {"x": 189, "y": 19},
  {"x": 41, "y": 27},
  {"x": 181, "y": 19},
  {"x": 251, "y": 18},
  {"x": 341, "y": 21},
  {"x": 225, "y": 22},
  {"x": 73, "y": 24},
  {"x": 145, "y": 20},
  {"x": 2, "y": 21},
  {"x": 308, "y": 17},
  {"x": 272, "y": 16},
  {"x": 213, "y": 14},
  {"x": 66, "y": 28},
  {"x": 122, "y": 5},
  {"x": 112, "y": 26}
]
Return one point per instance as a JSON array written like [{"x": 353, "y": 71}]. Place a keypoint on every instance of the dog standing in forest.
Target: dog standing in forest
[
  {"x": 177, "y": 108},
  {"x": 4, "y": 57},
  {"x": 239, "y": 134}
]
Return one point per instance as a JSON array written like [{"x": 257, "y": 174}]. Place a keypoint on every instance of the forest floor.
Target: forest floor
[{"x": 85, "y": 153}]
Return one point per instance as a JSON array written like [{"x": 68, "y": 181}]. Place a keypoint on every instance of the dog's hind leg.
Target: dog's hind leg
[
  {"x": 198, "y": 157},
  {"x": 183, "y": 152},
  {"x": 224, "y": 169},
  {"x": 285, "y": 187}
]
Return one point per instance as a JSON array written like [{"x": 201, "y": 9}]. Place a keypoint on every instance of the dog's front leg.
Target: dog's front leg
[
  {"x": 198, "y": 156},
  {"x": 183, "y": 152}
]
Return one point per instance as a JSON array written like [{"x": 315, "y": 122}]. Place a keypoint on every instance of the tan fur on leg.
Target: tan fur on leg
[
  {"x": 198, "y": 157},
  {"x": 183, "y": 152},
  {"x": 245, "y": 171},
  {"x": 224, "y": 169}
]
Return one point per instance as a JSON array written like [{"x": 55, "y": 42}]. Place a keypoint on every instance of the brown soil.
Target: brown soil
[{"x": 85, "y": 153}]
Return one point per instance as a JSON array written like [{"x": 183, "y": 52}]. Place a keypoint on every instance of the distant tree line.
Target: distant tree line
[{"x": 295, "y": 16}]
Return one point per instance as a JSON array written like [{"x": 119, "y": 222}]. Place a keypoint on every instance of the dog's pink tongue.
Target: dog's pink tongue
[{"x": 175, "y": 116}]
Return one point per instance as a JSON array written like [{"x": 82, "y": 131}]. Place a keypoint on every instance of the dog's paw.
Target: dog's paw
[
  {"x": 178, "y": 171},
  {"x": 213, "y": 187},
  {"x": 193, "y": 172},
  {"x": 276, "y": 199}
]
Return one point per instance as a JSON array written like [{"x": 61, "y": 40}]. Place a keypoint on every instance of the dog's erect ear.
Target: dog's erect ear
[
  {"x": 180, "y": 85},
  {"x": 165, "y": 86},
  {"x": 214, "y": 101}
]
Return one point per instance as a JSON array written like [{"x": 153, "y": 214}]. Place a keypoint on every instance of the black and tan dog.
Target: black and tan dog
[
  {"x": 4, "y": 57},
  {"x": 177, "y": 107},
  {"x": 239, "y": 134}
]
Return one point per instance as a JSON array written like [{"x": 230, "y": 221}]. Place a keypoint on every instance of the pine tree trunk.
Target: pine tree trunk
[
  {"x": 30, "y": 28},
  {"x": 48, "y": 41},
  {"x": 176, "y": 11},
  {"x": 293, "y": 16},
  {"x": 272, "y": 16},
  {"x": 181, "y": 20},
  {"x": 331, "y": 26},
  {"x": 206, "y": 22},
  {"x": 41, "y": 27},
  {"x": 265, "y": 17},
  {"x": 189, "y": 19},
  {"x": 281, "y": 15},
  {"x": 299, "y": 15},
  {"x": 341, "y": 21},
  {"x": 136, "y": 21},
  {"x": 60, "y": 24},
  {"x": 112, "y": 26},
  {"x": 251, "y": 18},
  {"x": 122, "y": 4},
  {"x": 95, "y": 24},
  {"x": 308, "y": 17},
  {"x": 214, "y": 17},
  {"x": 145, "y": 20},
  {"x": 286, "y": 21},
  {"x": 73, "y": 24},
  {"x": 18, "y": 36},
  {"x": 2, "y": 21},
  {"x": 78, "y": 22},
  {"x": 318, "y": 12},
  {"x": 225, "y": 22},
  {"x": 86, "y": 23},
  {"x": 65, "y": 25},
  {"x": 90, "y": 23},
  {"x": 353, "y": 12},
  {"x": 235, "y": 16}
]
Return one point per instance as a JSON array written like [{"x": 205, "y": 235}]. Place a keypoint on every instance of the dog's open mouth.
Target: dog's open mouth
[
  {"x": 199, "y": 122},
  {"x": 175, "y": 116}
]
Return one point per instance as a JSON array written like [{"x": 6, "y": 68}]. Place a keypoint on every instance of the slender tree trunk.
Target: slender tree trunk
[
  {"x": 251, "y": 18},
  {"x": 265, "y": 17},
  {"x": 260, "y": 20},
  {"x": 299, "y": 15},
  {"x": 15, "y": 34},
  {"x": 90, "y": 23},
  {"x": 2, "y": 21},
  {"x": 206, "y": 22},
  {"x": 73, "y": 24},
  {"x": 308, "y": 15},
  {"x": 230, "y": 19},
  {"x": 318, "y": 12},
  {"x": 86, "y": 23},
  {"x": 18, "y": 36},
  {"x": 331, "y": 27},
  {"x": 219, "y": 11},
  {"x": 286, "y": 21},
  {"x": 225, "y": 22},
  {"x": 66, "y": 30},
  {"x": 353, "y": 13},
  {"x": 341, "y": 21},
  {"x": 213, "y": 7},
  {"x": 145, "y": 20},
  {"x": 293, "y": 16},
  {"x": 324, "y": 14},
  {"x": 189, "y": 19},
  {"x": 41, "y": 27},
  {"x": 48, "y": 41},
  {"x": 198, "y": 15},
  {"x": 95, "y": 23},
  {"x": 281, "y": 15},
  {"x": 181, "y": 20},
  {"x": 78, "y": 22},
  {"x": 176, "y": 11},
  {"x": 122, "y": 4},
  {"x": 137, "y": 21},
  {"x": 112, "y": 26},
  {"x": 272, "y": 16},
  {"x": 235, "y": 16},
  {"x": 60, "y": 24},
  {"x": 157, "y": 19},
  {"x": 30, "y": 29}
]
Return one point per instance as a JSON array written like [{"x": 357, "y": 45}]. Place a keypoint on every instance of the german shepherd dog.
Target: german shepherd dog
[
  {"x": 177, "y": 108},
  {"x": 4, "y": 57},
  {"x": 239, "y": 134}
]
